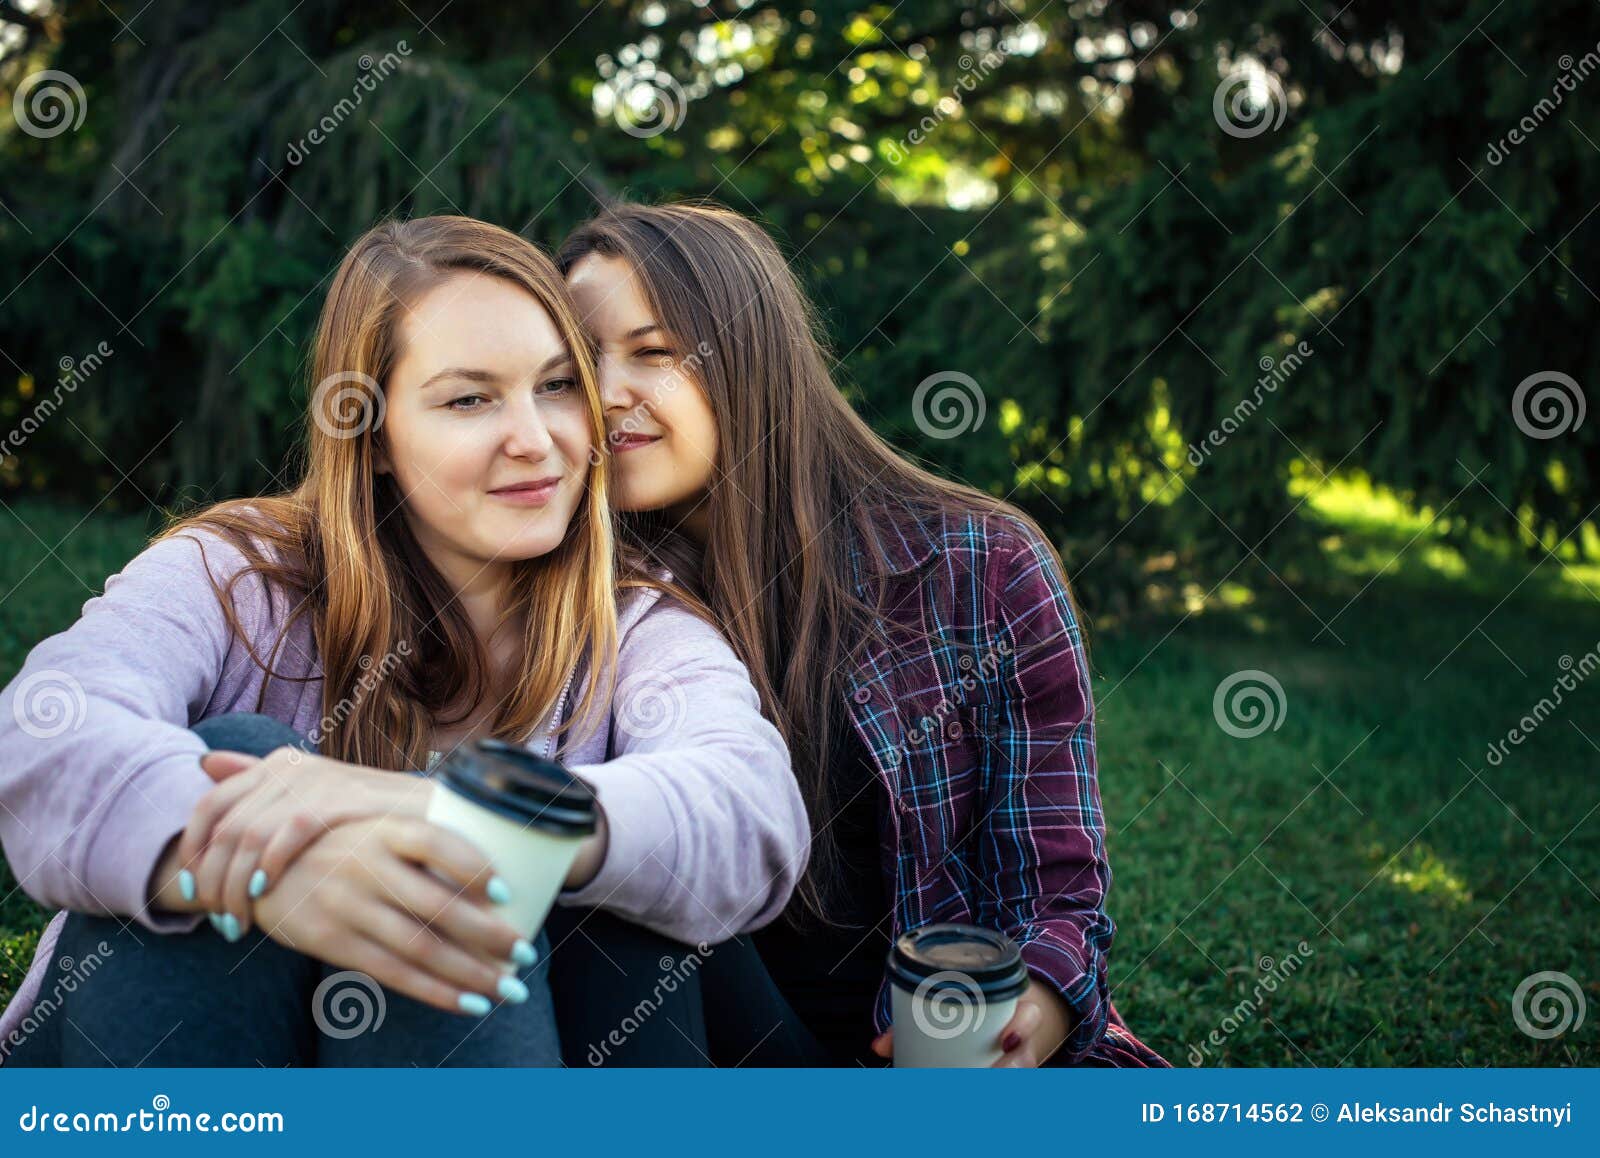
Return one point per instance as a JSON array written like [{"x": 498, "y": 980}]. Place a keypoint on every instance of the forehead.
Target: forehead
[
  {"x": 472, "y": 318},
  {"x": 608, "y": 293}
]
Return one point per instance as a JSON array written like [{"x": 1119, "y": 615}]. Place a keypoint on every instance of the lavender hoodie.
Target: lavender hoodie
[{"x": 98, "y": 768}]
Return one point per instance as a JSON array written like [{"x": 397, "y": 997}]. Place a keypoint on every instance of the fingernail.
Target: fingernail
[
  {"x": 258, "y": 883},
  {"x": 230, "y": 928},
  {"x": 499, "y": 892},
  {"x": 186, "y": 884},
  {"x": 523, "y": 953},
  {"x": 216, "y": 922},
  {"x": 1010, "y": 1041},
  {"x": 473, "y": 1003},
  {"x": 513, "y": 990}
]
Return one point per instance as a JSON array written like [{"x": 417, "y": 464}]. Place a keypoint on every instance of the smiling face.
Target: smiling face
[
  {"x": 486, "y": 430},
  {"x": 659, "y": 424}
]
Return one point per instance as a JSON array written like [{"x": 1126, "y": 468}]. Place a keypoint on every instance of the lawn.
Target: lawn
[{"x": 1357, "y": 886}]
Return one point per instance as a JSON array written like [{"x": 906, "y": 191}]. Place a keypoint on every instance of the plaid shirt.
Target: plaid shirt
[{"x": 983, "y": 735}]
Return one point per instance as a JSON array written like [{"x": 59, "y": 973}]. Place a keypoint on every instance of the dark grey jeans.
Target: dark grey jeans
[{"x": 192, "y": 999}]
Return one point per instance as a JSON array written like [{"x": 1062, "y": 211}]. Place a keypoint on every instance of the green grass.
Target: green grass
[{"x": 1423, "y": 895}]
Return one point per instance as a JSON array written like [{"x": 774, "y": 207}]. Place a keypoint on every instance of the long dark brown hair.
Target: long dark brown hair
[
  {"x": 337, "y": 549},
  {"x": 800, "y": 477}
]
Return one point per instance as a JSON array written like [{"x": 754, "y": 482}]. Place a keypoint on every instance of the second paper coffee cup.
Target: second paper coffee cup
[
  {"x": 528, "y": 815},
  {"x": 954, "y": 989}
]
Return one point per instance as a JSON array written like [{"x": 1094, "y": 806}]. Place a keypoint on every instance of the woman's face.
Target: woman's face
[
  {"x": 659, "y": 425},
  {"x": 486, "y": 429}
]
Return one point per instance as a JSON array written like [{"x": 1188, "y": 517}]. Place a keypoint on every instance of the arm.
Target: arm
[
  {"x": 98, "y": 768},
  {"x": 1041, "y": 838},
  {"x": 706, "y": 831}
]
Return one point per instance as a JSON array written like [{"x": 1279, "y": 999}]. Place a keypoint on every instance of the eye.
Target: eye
[
  {"x": 655, "y": 352},
  {"x": 455, "y": 403},
  {"x": 557, "y": 386}
]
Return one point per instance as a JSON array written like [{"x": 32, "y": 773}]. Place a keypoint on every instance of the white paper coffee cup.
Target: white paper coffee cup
[
  {"x": 954, "y": 989},
  {"x": 526, "y": 814}
]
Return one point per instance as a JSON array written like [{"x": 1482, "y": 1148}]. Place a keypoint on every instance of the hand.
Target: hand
[
  {"x": 365, "y": 896},
  {"x": 246, "y": 831},
  {"x": 1036, "y": 1030}
]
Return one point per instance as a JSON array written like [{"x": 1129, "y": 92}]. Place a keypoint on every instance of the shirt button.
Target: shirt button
[
  {"x": 953, "y": 730},
  {"x": 863, "y": 694}
]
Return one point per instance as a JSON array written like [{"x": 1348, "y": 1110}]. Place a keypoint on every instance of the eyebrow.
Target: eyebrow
[
  {"x": 475, "y": 375},
  {"x": 641, "y": 331}
]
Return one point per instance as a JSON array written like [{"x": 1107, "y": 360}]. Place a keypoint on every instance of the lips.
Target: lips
[
  {"x": 534, "y": 492},
  {"x": 621, "y": 442}
]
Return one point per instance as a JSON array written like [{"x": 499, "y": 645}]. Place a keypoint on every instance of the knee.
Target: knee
[{"x": 249, "y": 732}]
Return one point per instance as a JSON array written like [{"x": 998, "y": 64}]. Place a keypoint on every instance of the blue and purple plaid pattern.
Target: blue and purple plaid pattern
[{"x": 980, "y": 722}]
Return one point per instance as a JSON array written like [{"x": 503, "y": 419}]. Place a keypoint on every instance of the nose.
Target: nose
[
  {"x": 526, "y": 434},
  {"x": 616, "y": 395}
]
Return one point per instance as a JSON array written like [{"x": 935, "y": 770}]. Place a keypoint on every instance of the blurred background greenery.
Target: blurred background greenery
[{"x": 1273, "y": 314}]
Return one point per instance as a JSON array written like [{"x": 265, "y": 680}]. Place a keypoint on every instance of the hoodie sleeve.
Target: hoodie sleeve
[
  {"x": 708, "y": 833},
  {"x": 98, "y": 768}
]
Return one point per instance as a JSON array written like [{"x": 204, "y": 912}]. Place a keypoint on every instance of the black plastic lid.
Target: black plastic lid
[
  {"x": 965, "y": 957},
  {"x": 520, "y": 786}
]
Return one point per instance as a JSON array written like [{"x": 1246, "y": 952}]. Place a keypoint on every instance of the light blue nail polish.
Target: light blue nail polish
[
  {"x": 230, "y": 928},
  {"x": 186, "y": 884},
  {"x": 474, "y": 1003},
  {"x": 513, "y": 990},
  {"x": 258, "y": 883},
  {"x": 523, "y": 953},
  {"x": 499, "y": 892},
  {"x": 216, "y": 922}
]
